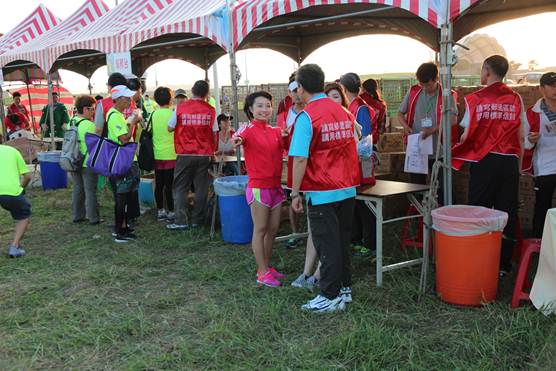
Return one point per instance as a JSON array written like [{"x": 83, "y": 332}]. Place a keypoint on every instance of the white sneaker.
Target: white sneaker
[
  {"x": 161, "y": 215},
  {"x": 170, "y": 215},
  {"x": 177, "y": 227},
  {"x": 305, "y": 282},
  {"x": 345, "y": 294},
  {"x": 321, "y": 304}
]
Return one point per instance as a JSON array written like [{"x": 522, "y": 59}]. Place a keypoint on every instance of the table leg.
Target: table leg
[
  {"x": 214, "y": 205},
  {"x": 425, "y": 266},
  {"x": 379, "y": 243}
]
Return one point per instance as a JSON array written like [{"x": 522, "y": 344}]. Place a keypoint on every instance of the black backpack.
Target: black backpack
[{"x": 146, "y": 147}]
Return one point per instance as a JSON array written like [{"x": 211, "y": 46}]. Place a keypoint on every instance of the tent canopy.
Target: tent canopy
[
  {"x": 476, "y": 14},
  {"x": 43, "y": 50},
  {"x": 310, "y": 24},
  {"x": 37, "y": 23},
  {"x": 190, "y": 30}
]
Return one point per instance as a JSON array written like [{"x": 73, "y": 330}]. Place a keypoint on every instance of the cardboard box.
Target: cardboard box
[
  {"x": 391, "y": 142},
  {"x": 390, "y": 163}
]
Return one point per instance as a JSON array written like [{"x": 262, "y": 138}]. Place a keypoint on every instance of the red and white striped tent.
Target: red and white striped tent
[
  {"x": 39, "y": 22},
  {"x": 191, "y": 30},
  {"x": 42, "y": 50},
  {"x": 419, "y": 19},
  {"x": 470, "y": 15},
  {"x": 108, "y": 33}
]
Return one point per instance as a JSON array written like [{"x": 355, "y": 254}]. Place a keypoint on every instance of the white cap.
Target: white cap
[
  {"x": 293, "y": 86},
  {"x": 121, "y": 91}
]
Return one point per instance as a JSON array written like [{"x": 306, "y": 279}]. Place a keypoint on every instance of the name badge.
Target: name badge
[
  {"x": 551, "y": 129},
  {"x": 426, "y": 122}
]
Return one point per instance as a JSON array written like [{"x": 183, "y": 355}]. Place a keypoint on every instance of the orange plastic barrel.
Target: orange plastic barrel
[{"x": 467, "y": 268}]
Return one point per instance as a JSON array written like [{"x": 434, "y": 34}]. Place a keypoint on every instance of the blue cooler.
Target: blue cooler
[
  {"x": 52, "y": 175},
  {"x": 235, "y": 214},
  {"x": 146, "y": 193}
]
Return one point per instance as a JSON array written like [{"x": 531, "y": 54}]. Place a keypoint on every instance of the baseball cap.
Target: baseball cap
[
  {"x": 293, "y": 86},
  {"x": 548, "y": 78},
  {"x": 179, "y": 92},
  {"x": 121, "y": 91}
]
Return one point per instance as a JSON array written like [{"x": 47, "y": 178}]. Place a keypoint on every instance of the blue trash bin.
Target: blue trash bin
[
  {"x": 146, "y": 193},
  {"x": 52, "y": 175},
  {"x": 235, "y": 215}
]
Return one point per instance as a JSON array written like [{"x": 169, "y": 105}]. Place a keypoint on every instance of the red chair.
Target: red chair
[
  {"x": 414, "y": 240},
  {"x": 522, "y": 282}
]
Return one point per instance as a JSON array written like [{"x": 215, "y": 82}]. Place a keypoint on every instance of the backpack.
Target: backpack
[
  {"x": 71, "y": 158},
  {"x": 146, "y": 147}
]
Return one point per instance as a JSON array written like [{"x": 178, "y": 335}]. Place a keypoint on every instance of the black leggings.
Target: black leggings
[{"x": 163, "y": 188}]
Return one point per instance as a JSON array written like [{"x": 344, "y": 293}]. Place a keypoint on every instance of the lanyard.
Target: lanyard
[{"x": 430, "y": 102}]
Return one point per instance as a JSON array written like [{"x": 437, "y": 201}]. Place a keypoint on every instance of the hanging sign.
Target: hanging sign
[{"x": 119, "y": 62}]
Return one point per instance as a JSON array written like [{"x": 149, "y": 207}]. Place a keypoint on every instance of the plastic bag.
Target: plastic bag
[
  {"x": 464, "y": 220},
  {"x": 365, "y": 147},
  {"x": 230, "y": 185}
]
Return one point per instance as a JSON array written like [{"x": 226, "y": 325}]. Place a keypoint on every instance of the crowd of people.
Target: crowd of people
[{"x": 318, "y": 127}]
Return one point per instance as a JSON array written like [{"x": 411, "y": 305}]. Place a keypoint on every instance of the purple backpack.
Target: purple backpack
[{"x": 109, "y": 158}]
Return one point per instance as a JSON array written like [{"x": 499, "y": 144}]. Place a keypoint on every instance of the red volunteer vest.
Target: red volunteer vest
[
  {"x": 414, "y": 94},
  {"x": 380, "y": 110},
  {"x": 194, "y": 135},
  {"x": 494, "y": 114},
  {"x": 333, "y": 152},
  {"x": 534, "y": 119},
  {"x": 354, "y": 107}
]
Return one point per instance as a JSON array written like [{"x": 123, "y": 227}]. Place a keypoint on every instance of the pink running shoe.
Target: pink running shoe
[
  {"x": 268, "y": 279},
  {"x": 276, "y": 274}
]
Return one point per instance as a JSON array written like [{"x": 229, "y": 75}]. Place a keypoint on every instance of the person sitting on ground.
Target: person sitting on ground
[
  {"x": 263, "y": 146},
  {"x": 164, "y": 154},
  {"x": 540, "y": 141},
  {"x": 121, "y": 131},
  {"x": 19, "y": 110},
  {"x": 226, "y": 143},
  {"x": 85, "y": 181},
  {"x": 15, "y": 177},
  {"x": 195, "y": 126}
]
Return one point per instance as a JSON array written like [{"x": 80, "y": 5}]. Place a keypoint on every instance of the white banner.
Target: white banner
[{"x": 119, "y": 62}]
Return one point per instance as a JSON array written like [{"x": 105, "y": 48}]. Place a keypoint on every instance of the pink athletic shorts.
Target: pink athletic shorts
[{"x": 269, "y": 197}]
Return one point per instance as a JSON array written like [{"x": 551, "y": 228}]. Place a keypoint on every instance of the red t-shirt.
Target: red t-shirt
[{"x": 262, "y": 148}]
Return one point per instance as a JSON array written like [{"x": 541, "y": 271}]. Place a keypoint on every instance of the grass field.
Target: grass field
[{"x": 180, "y": 301}]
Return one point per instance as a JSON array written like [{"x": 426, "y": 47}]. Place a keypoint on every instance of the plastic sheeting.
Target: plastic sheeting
[
  {"x": 230, "y": 185},
  {"x": 543, "y": 293},
  {"x": 463, "y": 220}
]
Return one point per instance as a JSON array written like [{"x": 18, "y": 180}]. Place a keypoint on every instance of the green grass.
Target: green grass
[{"x": 180, "y": 301}]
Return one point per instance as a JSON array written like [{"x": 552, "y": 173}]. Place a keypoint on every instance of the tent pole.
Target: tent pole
[
  {"x": 216, "y": 88},
  {"x": 446, "y": 60},
  {"x": 33, "y": 122},
  {"x": 90, "y": 86},
  {"x": 3, "y": 115},
  {"x": 51, "y": 114},
  {"x": 234, "y": 76}
]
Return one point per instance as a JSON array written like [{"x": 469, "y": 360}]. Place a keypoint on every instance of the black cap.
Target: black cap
[
  {"x": 223, "y": 116},
  {"x": 548, "y": 78},
  {"x": 179, "y": 92}
]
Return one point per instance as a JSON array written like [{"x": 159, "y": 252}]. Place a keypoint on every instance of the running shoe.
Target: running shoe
[
  {"x": 321, "y": 304},
  {"x": 123, "y": 238},
  {"x": 345, "y": 294},
  {"x": 276, "y": 274},
  {"x": 305, "y": 282},
  {"x": 362, "y": 251},
  {"x": 170, "y": 215},
  {"x": 268, "y": 279},
  {"x": 161, "y": 215},
  {"x": 15, "y": 251}
]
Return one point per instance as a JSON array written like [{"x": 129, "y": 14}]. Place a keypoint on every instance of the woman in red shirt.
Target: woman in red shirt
[
  {"x": 263, "y": 146},
  {"x": 18, "y": 109}
]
